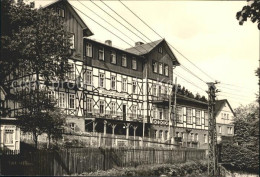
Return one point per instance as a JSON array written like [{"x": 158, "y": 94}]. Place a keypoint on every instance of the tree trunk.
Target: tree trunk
[
  {"x": 35, "y": 138},
  {"x": 49, "y": 141}
]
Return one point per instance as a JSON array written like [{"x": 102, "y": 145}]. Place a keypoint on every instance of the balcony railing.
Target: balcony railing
[
  {"x": 160, "y": 98},
  {"x": 114, "y": 115}
]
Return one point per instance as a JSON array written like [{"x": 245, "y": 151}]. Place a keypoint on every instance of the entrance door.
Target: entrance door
[{"x": 124, "y": 112}]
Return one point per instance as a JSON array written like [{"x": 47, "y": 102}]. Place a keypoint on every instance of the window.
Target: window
[
  {"x": 154, "y": 113},
  {"x": 192, "y": 136},
  {"x": 101, "y": 107},
  {"x": 51, "y": 94},
  {"x": 189, "y": 116},
  {"x": 113, "y": 108},
  {"x": 134, "y": 65},
  {"x": 205, "y": 138},
  {"x": 61, "y": 12},
  {"x": 161, "y": 134},
  {"x": 160, "y": 50},
  {"x": 72, "y": 41},
  {"x": 155, "y": 133},
  {"x": 71, "y": 74},
  {"x": 134, "y": 110},
  {"x": 124, "y": 61},
  {"x": 72, "y": 101},
  {"x": 134, "y": 87},
  {"x": 160, "y": 114},
  {"x": 166, "y": 134},
  {"x": 197, "y": 117},
  {"x": 102, "y": 80},
  {"x": 166, "y": 70},
  {"x": 230, "y": 130},
  {"x": 182, "y": 135},
  {"x": 177, "y": 134},
  {"x": 89, "y": 50},
  {"x": 89, "y": 77},
  {"x": 196, "y": 137},
  {"x": 101, "y": 54},
  {"x": 219, "y": 129},
  {"x": 166, "y": 90},
  {"x": 9, "y": 137},
  {"x": 160, "y": 68},
  {"x": 113, "y": 82},
  {"x": 154, "y": 90},
  {"x": 62, "y": 100},
  {"x": 227, "y": 116},
  {"x": 89, "y": 105},
  {"x": 179, "y": 115},
  {"x": 124, "y": 85},
  {"x": 113, "y": 57},
  {"x": 72, "y": 126},
  {"x": 206, "y": 119},
  {"x": 155, "y": 67}
]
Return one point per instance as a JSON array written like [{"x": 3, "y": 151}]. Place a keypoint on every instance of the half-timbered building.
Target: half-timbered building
[{"x": 122, "y": 91}]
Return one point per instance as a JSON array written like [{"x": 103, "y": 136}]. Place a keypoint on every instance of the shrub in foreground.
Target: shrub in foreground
[
  {"x": 240, "y": 158},
  {"x": 191, "y": 168}
]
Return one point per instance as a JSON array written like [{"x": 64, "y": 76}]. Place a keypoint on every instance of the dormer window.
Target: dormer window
[
  {"x": 89, "y": 50},
  {"x": 113, "y": 57},
  {"x": 160, "y": 50},
  {"x": 101, "y": 54},
  {"x": 134, "y": 65},
  {"x": 61, "y": 12},
  {"x": 124, "y": 61}
]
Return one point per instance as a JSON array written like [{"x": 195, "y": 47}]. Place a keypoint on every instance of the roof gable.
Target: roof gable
[
  {"x": 220, "y": 104},
  {"x": 86, "y": 31},
  {"x": 147, "y": 48}
]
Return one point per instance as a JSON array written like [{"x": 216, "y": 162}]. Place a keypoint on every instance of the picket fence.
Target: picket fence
[{"x": 79, "y": 160}]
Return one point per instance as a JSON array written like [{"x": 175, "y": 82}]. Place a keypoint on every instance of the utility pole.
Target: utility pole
[
  {"x": 171, "y": 122},
  {"x": 258, "y": 72},
  {"x": 212, "y": 134}
]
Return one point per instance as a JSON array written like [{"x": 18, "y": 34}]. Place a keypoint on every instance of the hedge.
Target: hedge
[
  {"x": 240, "y": 158},
  {"x": 192, "y": 168}
]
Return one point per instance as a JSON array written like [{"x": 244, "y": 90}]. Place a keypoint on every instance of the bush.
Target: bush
[
  {"x": 198, "y": 168},
  {"x": 240, "y": 158}
]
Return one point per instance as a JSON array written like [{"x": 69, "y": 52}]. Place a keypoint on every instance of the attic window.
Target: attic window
[
  {"x": 160, "y": 50},
  {"x": 61, "y": 12}
]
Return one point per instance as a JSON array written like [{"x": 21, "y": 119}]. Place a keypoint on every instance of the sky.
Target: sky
[{"x": 205, "y": 32}]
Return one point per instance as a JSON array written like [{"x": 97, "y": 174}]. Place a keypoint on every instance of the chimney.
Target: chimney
[
  {"x": 108, "y": 42},
  {"x": 138, "y": 43}
]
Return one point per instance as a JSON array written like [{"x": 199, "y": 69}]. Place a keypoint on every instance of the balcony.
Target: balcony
[
  {"x": 160, "y": 99},
  {"x": 114, "y": 115}
]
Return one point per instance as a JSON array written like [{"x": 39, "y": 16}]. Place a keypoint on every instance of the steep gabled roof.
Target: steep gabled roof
[
  {"x": 86, "y": 29},
  {"x": 220, "y": 104},
  {"x": 148, "y": 47},
  {"x": 144, "y": 48}
]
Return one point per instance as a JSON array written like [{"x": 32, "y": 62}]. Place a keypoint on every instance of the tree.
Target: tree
[
  {"x": 246, "y": 125},
  {"x": 34, "y": 42},
  {"x": 250, "y": 11},
  {"x": 39, "y": 114},
  {"x": 53, "y": 126}
]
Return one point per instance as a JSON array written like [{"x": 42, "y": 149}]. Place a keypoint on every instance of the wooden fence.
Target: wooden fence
[{"x": 79, "y": 160}]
